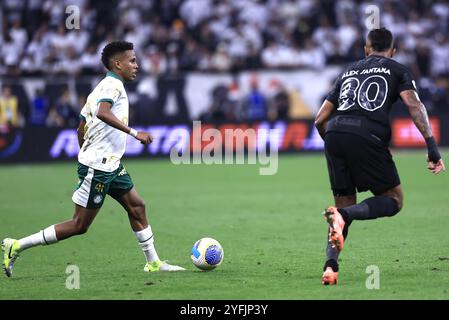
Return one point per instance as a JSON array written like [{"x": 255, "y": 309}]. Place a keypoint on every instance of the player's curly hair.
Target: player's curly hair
[
  {"x": 381, "y": 39},
  {"x": 113, "y": 48}
]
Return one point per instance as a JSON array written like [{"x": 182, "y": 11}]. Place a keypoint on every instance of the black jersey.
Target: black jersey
[{"x": 364, "y": 94}]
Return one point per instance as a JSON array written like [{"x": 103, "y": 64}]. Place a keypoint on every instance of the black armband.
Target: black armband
[{"x": 432, "y": 150}]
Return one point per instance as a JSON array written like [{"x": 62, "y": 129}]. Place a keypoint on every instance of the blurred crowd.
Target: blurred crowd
[
  {"x": 173, "y": 36},
  {"x": 219, "y": 35}
]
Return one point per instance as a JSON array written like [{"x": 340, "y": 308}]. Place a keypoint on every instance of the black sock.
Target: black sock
[
  {"x": 331, "y": 263},
  {"x": 371, "y": 208},
  {"x": 346, "y": 229},
  {"x": 333, "y": 254}
]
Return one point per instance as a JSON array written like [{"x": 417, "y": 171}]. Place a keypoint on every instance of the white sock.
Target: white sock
[
  {"x": 43, "y": 237},
  {"x": 146, "y": 242}
]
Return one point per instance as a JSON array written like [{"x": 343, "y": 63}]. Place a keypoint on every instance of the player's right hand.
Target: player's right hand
[
  {"x": 436, "y": 167},
  {"x": 144, "y": 137}
]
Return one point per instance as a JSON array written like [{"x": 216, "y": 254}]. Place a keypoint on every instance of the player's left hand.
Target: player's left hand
[
  {"x": 144, "y": 137},
  {"x": 436, "y": 167}
]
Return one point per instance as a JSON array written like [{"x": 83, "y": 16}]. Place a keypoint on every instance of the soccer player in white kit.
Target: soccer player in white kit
[{"x": 102, "y": 135}]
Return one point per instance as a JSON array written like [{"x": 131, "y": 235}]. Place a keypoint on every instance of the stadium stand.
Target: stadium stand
[{"x": 174, "y": 37}]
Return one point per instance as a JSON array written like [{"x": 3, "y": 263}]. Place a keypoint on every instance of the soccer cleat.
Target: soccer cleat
[
  {"x": 336, "y": 225},
  {"x": 11, "y": 248},
  {"x": 330, "y": 277},
  {"x": 161, "y": 266}
]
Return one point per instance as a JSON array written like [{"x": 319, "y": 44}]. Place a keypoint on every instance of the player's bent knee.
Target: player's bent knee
[
  {"x": 140, "y": 207},
  {"x": 80, "y": 227},
  {"x": 399, "y": 202},
  {"x": 81, "y": 230},
  {"x": 399, "y": 198},
  {"x": 137, "y": 209}
]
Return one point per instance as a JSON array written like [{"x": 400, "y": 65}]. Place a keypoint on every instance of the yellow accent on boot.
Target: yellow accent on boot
[
  {"x": 153, "y": 266},
  {"x": 11, "y": 249},
  {"x": 161, "y": 266}
]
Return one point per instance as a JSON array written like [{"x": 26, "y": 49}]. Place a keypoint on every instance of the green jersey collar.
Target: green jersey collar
[{"x": 114, "y": 75}]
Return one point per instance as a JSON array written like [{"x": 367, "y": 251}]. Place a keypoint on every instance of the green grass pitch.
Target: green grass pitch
[{"x": 270, "y": 227}]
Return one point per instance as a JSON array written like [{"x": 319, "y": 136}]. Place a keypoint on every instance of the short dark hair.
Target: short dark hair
[
  {"x": 113, "y": 48},
  {"x": 381, "y": 39}
]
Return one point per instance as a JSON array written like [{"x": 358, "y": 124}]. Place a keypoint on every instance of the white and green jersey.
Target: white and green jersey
[{"x": 104, "y": 145}]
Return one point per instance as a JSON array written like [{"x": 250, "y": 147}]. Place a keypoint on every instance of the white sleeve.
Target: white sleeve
[{"x": 109, "y": 92}]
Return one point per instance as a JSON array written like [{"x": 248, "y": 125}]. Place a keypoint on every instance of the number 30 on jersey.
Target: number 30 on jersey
[{"x": 370, "y": 95}]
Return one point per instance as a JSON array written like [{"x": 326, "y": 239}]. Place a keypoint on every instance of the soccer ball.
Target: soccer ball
[{"x": 207, "y": 254}]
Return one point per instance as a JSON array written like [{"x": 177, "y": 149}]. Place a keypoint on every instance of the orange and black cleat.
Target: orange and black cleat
[
  {"x": 330, "y": 277},
  {"x": 336, "y": 224}
]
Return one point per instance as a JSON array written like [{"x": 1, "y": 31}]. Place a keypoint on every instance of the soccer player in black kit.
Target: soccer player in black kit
[{"x": 354, "y": 123}]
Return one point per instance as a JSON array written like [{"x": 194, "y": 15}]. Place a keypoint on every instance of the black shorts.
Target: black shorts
[{"x": 354, "y": 163}]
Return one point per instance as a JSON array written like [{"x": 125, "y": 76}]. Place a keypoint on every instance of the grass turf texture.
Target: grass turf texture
[{"x": 271, "y": 229}]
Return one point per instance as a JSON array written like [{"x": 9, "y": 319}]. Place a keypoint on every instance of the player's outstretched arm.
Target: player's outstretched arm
[
  {"x": 419, "y": 115},
  {"x": 105, "y": 114},
  {"x": 323, "y": 116}
]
